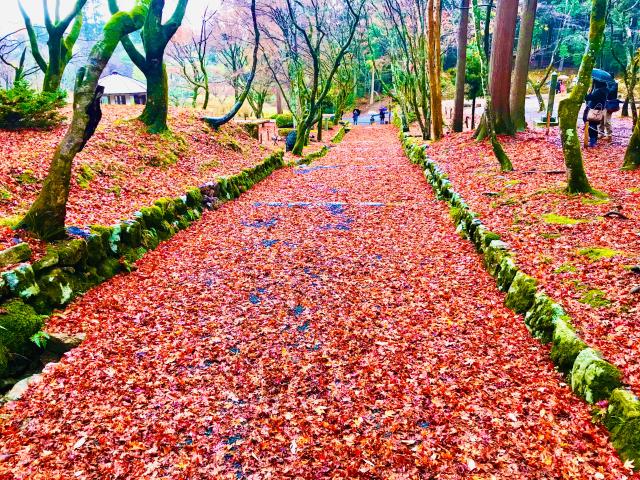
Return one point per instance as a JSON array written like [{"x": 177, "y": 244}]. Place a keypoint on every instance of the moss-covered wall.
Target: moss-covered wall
[
  {"x": 69, "y": 268},
  {"x": 591, "y": 377}
]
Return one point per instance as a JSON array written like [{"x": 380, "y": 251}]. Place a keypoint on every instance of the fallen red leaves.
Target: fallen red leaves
[
  {"x": 122, "y": 167},
  {"x": 329, "y": 324},
  {"x": 596, "y": 293}
]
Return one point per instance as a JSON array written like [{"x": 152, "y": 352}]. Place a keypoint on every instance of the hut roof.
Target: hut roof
[{"x": 116, "y": 84}]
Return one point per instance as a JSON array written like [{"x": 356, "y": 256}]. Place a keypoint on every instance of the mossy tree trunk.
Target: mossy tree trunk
[
  {"x": 521, "y": 70},
  {"x": 155, "y": 37},
  {"x": 46, "y": 217},
  {"x": 434, "y": 67},
  {"x": 488, "y": 119},
  {"x": 569, "y": 108},
  {"x": 632, "y": 155},
  {"x": 59, "y": 46}
]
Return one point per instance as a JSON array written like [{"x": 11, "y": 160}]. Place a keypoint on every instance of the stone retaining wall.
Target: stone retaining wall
[
  {"x": 589, "y": 374},
  {"x": 31, "y": 291}
]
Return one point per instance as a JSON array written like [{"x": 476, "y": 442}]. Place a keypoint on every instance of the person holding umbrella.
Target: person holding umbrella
[
  {"x": 612, "y": 106},
  {"x": 596, "y": 104}
]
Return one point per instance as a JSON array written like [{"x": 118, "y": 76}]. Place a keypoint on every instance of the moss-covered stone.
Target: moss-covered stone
[
  {"x": 131, "y": 233},
  {"x": 505, "y": 273},
  {"x": 50, "y": 259},
  {"x": 22, "y": 282},
  {"x": 15, "y": 254},
  {"x": 106, "y": 234},
  {"x": 71, "y": 253},
  {"x": 566, "y": 345},
  {"x": 623, "y": 421},
  {"x": 18, "y": 323},
  {"x": 150, "y": 239},
  {"x": 152, "y": 216},
  {"x": 183, "y": 222},
  {"x": 542, "y": 317},
  {"x": 168, "y": 208},
  {"x": 194, "y": 197},
  {"x": 56, "y": 288},
  {"x": 493, "y": 255},
  {"x": 521, "y": 293},
  {"x": 180, "y": 205},
  {"x": 593, "y": 378},
  {"x": 109, "y": 267},
  {"x": 96, "y": 248}
]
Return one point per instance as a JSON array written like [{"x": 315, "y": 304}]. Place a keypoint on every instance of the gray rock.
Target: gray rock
[
  {"x": 635, "y": 269},
  {"x": 61, "y": 342},
  {"x": 20, "y": 388},
  {"x": 635, "y": 289}
]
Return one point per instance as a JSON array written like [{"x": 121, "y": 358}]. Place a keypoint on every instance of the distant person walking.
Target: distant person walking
[
  {"x": 383, "y": 114},
  {"x": 596, "y": 106},
  {"x": 356, "y": 115},
  {"x": 612, "y": 105}
]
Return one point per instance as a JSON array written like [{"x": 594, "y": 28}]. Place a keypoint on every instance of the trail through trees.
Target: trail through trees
[{"x": 329, "y": 322}]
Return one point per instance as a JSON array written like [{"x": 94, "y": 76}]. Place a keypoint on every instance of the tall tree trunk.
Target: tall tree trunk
[
  {"x": 568, "y": 109},
  {"x": 46, "y": 217},
  {"x": 625, "y": 107},
  {"x": 489, "y": 116},
  {"x": 373, "y": 85},
  {"x": 156, "y": 110},
  {"x": 434, "y": 68},
  {"x": 461, "y": 66},
  {"x": 278, "y": 101},
  {"x": 501, "y": 62},
  {"x": 632, "y": 155},
  {"x": 155, "y": 37},
  {"x": 205, "y": 104},
  {"x": 521, "y": 71}
]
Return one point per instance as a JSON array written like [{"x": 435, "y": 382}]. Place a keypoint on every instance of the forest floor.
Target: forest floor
[
  {"x": 329, "y": 323},
  {"x": 123, "y": 168},
  {"x": 581, "y": 247}
]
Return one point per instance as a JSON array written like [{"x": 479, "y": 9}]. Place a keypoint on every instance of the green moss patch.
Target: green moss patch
[
  {"x": 18, "y": 322},
  {"x": 565, "y": 268},
  {"x": 553, "y": 219},
  {"x": 597, "y": 253},
  {"x": 85, "y": 175},
  {"x": 595, "y": 298}
]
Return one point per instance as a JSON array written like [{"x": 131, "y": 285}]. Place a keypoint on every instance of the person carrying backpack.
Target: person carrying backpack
[{"x": 612, "y": 105}]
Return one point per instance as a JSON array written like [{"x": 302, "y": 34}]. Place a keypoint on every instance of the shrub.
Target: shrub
[
  {"x": 284, "y": 120},
  {"x": 23, "y": 107}
]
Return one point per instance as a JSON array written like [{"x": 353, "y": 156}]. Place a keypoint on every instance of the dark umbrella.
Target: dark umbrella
[{"x": 601, "y": 75}]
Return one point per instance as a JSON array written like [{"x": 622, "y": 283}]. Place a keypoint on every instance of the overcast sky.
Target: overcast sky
[{"x": 12, "y": 20}]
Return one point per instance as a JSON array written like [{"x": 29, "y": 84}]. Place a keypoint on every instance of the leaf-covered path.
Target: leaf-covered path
[{"x": 328, "y": 324}]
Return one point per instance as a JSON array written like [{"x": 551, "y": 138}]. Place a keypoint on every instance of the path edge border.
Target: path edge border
[{"x": 590, "y": 376}]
